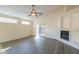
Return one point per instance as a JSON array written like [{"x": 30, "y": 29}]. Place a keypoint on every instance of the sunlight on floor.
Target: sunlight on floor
[{"x": 4, "y": 50}]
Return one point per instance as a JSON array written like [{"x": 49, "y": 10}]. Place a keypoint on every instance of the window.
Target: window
[
  {"x": 25, "y": 22},
  {"x": 7, "y": 20}
]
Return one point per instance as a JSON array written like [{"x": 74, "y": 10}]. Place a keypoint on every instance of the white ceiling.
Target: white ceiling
[{"x": 23, "y": 11}]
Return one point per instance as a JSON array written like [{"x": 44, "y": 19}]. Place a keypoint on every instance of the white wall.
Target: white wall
[
  {"x": 53, "y": 26},
  {"x": 52, "y": 22},
  {"x": 12, "y": 31}
]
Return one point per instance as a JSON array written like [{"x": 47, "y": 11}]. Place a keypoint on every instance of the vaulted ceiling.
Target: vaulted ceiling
[{"x": 23, "y": 11}]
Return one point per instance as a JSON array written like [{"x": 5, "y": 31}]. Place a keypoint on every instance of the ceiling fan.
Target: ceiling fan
[{"x": 34, "y": 12}]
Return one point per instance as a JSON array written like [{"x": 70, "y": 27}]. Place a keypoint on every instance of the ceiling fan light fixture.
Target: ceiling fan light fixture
[{"x": 34, "y": 12}]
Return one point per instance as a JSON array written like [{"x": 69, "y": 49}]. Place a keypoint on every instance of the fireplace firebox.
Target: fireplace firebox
[{"x": 65, "y": 35}]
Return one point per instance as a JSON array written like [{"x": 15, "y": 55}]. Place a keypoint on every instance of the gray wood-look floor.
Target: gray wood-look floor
[{"x": 37, "y": 46}]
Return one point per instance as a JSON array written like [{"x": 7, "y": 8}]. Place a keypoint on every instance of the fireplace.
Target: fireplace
[{"x": 65, "y": 35}]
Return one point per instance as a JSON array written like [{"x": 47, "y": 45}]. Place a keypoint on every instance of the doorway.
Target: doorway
[{"x": 40, "y": 30}]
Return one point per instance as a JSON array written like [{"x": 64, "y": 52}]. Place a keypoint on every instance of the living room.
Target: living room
[{"x": 56, "y": 22}]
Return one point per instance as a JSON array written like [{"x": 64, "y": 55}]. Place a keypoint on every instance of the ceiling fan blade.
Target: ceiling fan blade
[
  {"x": 29, "y": 15},
  {"x": 40, "y": 13}
]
